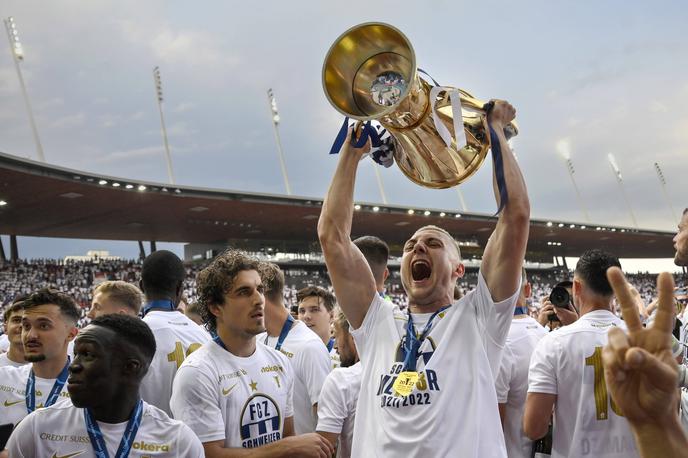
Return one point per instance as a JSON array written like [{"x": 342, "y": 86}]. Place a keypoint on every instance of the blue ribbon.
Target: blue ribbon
[
  {"x": 98, "y": 441},
  {"x": 499, "y": 168},
  {"x": 368, "y": 131},
  {"x": 162, "y": 304},
  {"x": 219, "y": 341},
  {"x": 520, "y": 311},
  {"x": 413, "y": 343},
  {"x": 286, "y": 327},
  {"x": 330, "y": 345},
  {"x": 30, "y": 394}
]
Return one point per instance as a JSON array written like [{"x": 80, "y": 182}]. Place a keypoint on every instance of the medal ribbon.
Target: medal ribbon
[
  {"x": 219, "y": 341},
  {"x": 30, "y": 394},
  {"x": 521, "y": 311},
  {"x": 286, "y": 327},
  {"x": 98, "y": 442},
  {"x": 163, "y": 304},
  {"x": 413, "y": 343},
  {"x": 330, "y": 345}
]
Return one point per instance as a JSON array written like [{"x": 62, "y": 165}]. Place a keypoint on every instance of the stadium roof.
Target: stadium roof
[{"x": 47, "y": 201}]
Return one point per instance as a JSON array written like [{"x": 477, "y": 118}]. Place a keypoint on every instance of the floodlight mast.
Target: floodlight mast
[
  {"x": 619, "y": 179},
  {"x": 158, "y": 91},
  {"x": 662, "y": 182},
  {"x": 564, "y": 149},
  {"x": 274, "y": 114},
  {"x": 17, "y": 56}
]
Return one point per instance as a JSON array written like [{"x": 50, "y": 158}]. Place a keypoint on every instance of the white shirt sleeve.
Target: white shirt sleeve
[
  {"x": 494, "y": 320},
  {"x": 289, "y": 373},
  {"x": 315, "y": 365},
  {"x": 22, "y": 442},
  {"x": 196, "y": 402},
  {"x": 503, "y": 384},
  {"x": 188, "y": 444},
  {"x": 374, "y": 317},
  {"x": 332, "y": 408},
  {"x": 542, "y": 374}
]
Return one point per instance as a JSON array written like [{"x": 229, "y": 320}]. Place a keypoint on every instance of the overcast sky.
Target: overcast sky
[{"x": 597, "y": 77}]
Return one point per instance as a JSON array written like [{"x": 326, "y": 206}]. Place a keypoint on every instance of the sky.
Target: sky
[{"x": 587, "y": 77}]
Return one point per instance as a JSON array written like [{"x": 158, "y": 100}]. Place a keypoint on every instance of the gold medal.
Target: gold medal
[{"x": 403, "y": 385}]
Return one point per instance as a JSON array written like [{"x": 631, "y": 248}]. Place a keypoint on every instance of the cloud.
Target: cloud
[
  {"x": 136, "y": 153},
  {"x": 69, "y": 121},
  {"x": 183, "y": 107}
]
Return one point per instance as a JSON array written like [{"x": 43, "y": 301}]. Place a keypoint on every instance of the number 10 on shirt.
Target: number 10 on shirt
[
  {"x": 178, "y": 355},
  {"x": 601, "y": 397}
]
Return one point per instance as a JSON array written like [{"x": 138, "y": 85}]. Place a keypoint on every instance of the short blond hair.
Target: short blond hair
[{"x": 122, "y": 292}]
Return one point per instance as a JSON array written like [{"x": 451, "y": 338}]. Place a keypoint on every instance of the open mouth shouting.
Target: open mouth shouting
[{"x": 420, "y": 271}]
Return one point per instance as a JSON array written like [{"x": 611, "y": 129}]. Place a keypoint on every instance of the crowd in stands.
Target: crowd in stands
[{"x": 77, "y": 279}]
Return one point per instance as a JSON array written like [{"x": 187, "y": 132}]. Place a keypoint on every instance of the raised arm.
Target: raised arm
[
  {"x": 505, "y": 251},
  {"x": 351, "y": 277}
]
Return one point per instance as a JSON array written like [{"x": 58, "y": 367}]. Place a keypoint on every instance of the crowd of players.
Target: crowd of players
[{"x": 232, "y": 370}]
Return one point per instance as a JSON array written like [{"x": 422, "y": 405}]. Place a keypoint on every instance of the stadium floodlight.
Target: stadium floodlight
[
  {"x": 18, "y": 56},
  {"x": 458, "y": 215},
  {"x": 443, "y": 214},
  {"x": 583, "y": 227},
  {"x": 159, "y": 97},
  {"x": 141, "y": 187},
  {"x": 3, "y": 203},
  {"x": 619, "y": 179},
  {"x": 572, "y": 226},
  {"x": 426, "y": 212},
  {"x": 129, "y": 186},
  {"x": 102, "y": 182},
  {"x": 561, "y": 225},
  {"x": 116, "y": 185},
  {"x": 376, "y": 209},
  {"x": 357, "y": 207},
  {"x": 410, "y": 211},
  {"x": 280, "y": 153},
  {"x": 550, "y": 223},
  {"x": 564, "y": 148},
  {"x": 662, "y": 182}
]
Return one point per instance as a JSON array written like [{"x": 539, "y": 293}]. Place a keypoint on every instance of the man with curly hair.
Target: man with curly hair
[{"x": 235, "y": 392}]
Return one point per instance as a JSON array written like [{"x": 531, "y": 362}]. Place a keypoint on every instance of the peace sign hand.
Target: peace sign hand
[{"x": 639, "y": 369}]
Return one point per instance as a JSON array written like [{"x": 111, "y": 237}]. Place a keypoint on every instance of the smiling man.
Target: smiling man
[
  {"x": 236, "y": 392},
  {"x": 48, "y": 325},
  {"x": 106, "y": 416},
  {"x": 13, "y": 328},
  {"x": 428, "y": 378}
]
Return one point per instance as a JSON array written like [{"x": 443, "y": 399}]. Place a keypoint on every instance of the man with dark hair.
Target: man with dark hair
[
  {"x": 235, "y": 392},
  {"x": 566, "y": 373},
  {"x": 115, "y": 296},
  {"x": 681, "y": 241},
  {"x": 106, "y": 417},
  {"x": 308, "y": 356},
  {"x": 12, "y": 318},
  {"x": 176, "y": 335},
  {"x": 339, "y": 397},
  {"x": 420, "y": 383},
  {"x": 316, "y": 310},
  {"x": 48, "y": 325},
  {"x": 376, "y": 253}
]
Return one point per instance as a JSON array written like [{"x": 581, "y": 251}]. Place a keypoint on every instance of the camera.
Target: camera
[{"x": 560, "y": 297}]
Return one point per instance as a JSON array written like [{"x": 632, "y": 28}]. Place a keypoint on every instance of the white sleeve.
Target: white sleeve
[
  {"x": 188, "y": 444},
  {"x": 332, "y": 408},
  {"x": 196, "y": 402},
  {"x": 542, "y": 374},
  {"x": 289, "y": 408},
  {"x": 313, "y": 367},
  {"x": 365, "y": 332},
  {"x": 494, "y": 320},
  {"x": 22, "y": 442},
  {"x": 503, "y": 383}
]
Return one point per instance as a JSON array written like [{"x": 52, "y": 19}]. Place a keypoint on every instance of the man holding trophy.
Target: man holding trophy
[{"x": 428, "y": 376}]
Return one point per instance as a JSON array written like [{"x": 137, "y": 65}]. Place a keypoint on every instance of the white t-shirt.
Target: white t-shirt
[
  {"x": 13, "y": 389},
  {"x": 176, "y": 337},
  {"x": 453, "y": 406},
  {"x": 568, "y": 363},
  {"x": 60, "y": 430},
  {"x": 243, "y": 401},
  {"x": 337, "y": 407},
  {"x": 311, "y": 364},
  {"x": 334, "y": 358},
  {"x": 4, "y": 343},
  {"x": 512, "y": 382},
  {"x": 5, "y": 361}
]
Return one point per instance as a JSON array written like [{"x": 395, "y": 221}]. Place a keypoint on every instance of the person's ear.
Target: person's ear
[
  {"x": 72, "y": 333},
  {"x": 133, "y": 366},
  {"x": 527, "y": 289},
  {"x": 385, "y": 275},
  {"x": 460, "y": 270}
]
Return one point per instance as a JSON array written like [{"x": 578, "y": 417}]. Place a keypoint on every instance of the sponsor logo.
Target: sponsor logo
[
  {"x": 141, "y": 445},
  {"x": 55, "y": 455},
  {"x": 10, "y": 404},
  {"x": 275, "y": 368},
  {"x": 261, "y": 421},
  {"x": 229, "y": 390}
]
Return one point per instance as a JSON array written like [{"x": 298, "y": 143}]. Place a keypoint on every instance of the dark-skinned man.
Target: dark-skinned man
[
  {"x": 428, "y": 380},
  {"x": 106, "y": 417}
]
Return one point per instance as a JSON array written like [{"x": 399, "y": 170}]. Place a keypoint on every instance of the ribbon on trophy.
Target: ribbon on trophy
[{"x": 382, "y": 143}]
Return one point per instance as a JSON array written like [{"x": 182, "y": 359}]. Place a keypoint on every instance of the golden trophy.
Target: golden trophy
[{"x": 370, "y": 74}]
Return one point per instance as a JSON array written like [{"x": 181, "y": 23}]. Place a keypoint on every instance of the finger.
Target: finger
[
  {"x": 664, "y": 319},
  {"x": 660, "y": 374},
  {"x": 329, "y": 447},
  {"x": 629, "y": 311},
  {"x": 618, "y": 344},
  {"x": 613, "y": 365}
]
